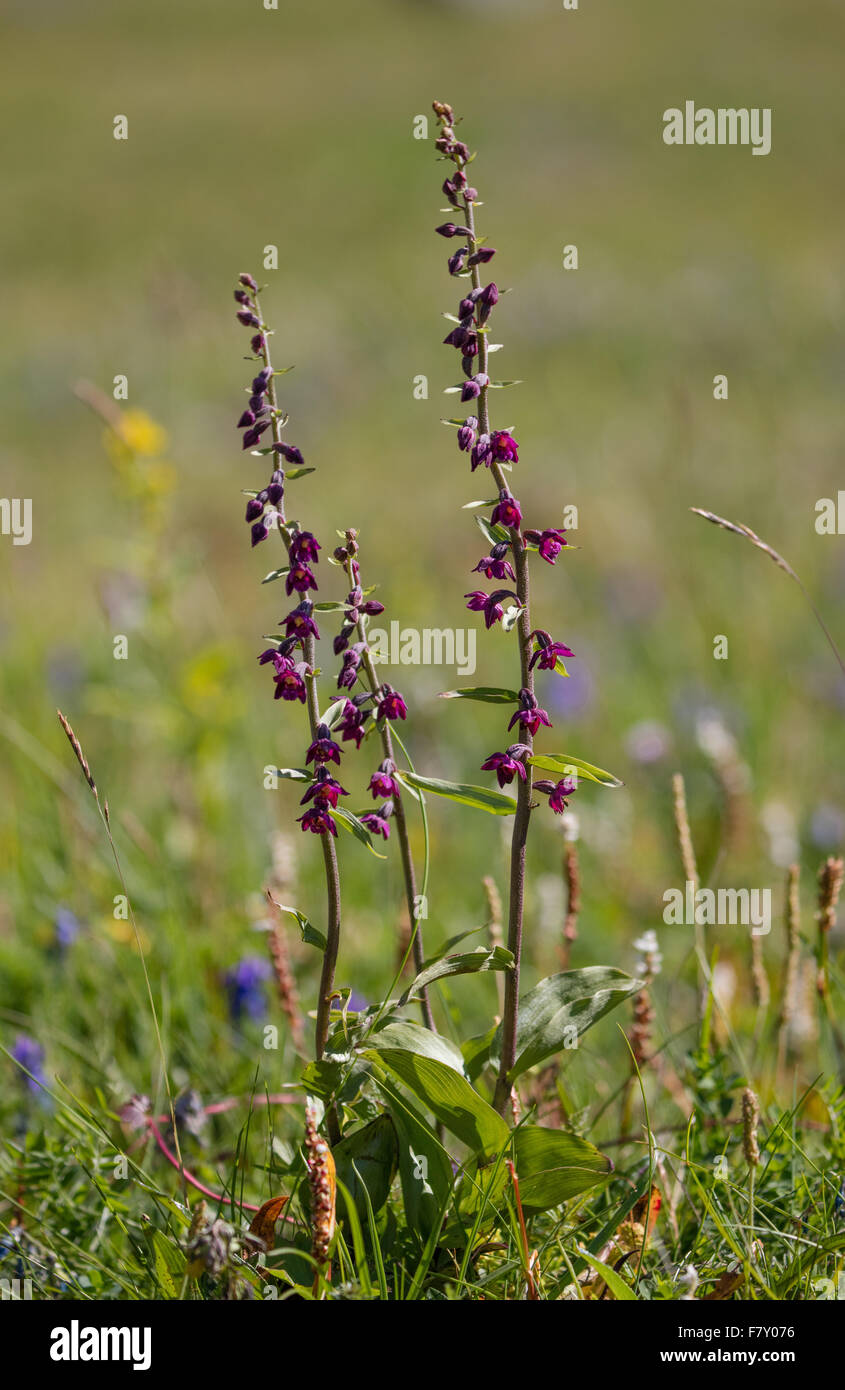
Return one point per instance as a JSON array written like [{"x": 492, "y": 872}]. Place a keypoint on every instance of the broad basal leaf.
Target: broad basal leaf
[
  {"x": 553, "y": 1166},
  {"x": 368, "y": 1159},
  {"x": 448, "y": 1096},
  {"x": 560, "y": 1009}
]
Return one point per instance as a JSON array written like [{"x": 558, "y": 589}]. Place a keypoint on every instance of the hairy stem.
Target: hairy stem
[
  {"x": 329, "y": 852},
  {"x": 522, "y": 816},
  {"x": 399, "y": 818}
]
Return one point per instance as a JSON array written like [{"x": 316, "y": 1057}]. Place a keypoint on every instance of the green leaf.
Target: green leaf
[
  {"x": 448, "y": 1096},
  {"x": 294, "y": 774},
  {"x": 168, "y": 1263},
  {"x": 563, "y": 763},
  {"x": 614, "y": 1281},
  {"x": 330, "y": 607},
  {"x": 331, "y": 716},
  {"x": 425, "y": 1170},
  {"x": 467, "y": 963},
  {"x": 354, "y": 826},
  {"x": 291, "y": 474},
  {"x": 476, "y": 1052},
  {"x": 368, "y": 1159},
  {"x": 310, "y": 935},
  {"x": 413, "y": 1037},
  {"x": 573, "y": 1000},
  {"x": 482, "y": 798},
  {"x": 553, "y": 1166},
  {"x": 496, "y": 535},
  {"x": 322, "y": 1078},
  {"x": 491, "y": 502},
  {"x": 275, "y": 574},
  {"x": 488, "y": 694}
]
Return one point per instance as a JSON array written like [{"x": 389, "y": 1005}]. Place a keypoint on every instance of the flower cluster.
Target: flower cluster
[
  {"x": 497, "y": 451},
  {"x": 292, "y": 657},
  {"x": 263, "y": 509},
  {"x": 381, "y": 702}
]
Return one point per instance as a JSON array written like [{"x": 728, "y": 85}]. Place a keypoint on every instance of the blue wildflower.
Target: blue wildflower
[
  {"x": 30, "y": 1054},
  {"x": 66, "y": 927},
  {"x": 245, "y": 988}
]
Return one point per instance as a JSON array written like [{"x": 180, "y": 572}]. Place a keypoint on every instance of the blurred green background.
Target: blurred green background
[{"x": 295, "y": 127}]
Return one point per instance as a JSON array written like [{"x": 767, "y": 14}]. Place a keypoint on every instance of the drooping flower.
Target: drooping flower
[
  {"x": 529, "y": 715},
  {"x": 299, "y": 579},
  {"x": 391, "y": 705},
  {"x": 466, "y": 434},
  {"x": 318, "y": 820},
  {"x": 304, "y": 548},
  {"x": 352, "y": 723},
  {"x": 507, "y": 511},
  {"x": 251, "y": 436},
  {"x": 494, "y": 565},
  {"x": 488, "y": 604},
  {"x": 299, "y": 622},
  {"x": 507, "y": 765},
  {"x": 324, "y": 790},
  {"x": 290, "y": 684},
  {"x": 549, "y": 542},
  {"x": 471, "y": 389},
  {"x": 505, "y": 447},
  {"x": 482, "y": 255},
  {"x": 482, "y": 452},
  {"x": 349, "y": 670},
  {"x": 547, "y": 653},
  {"x": 323, "y": 748},
  {"x": 377, "y": 821},
  {"x": 279, "y": 657},
  {"x": 487, "y": 300},
  {"x": 289, "y": 452},
  {"x": 557, "y": 792},
  {"x": 383, "y": 783}
]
